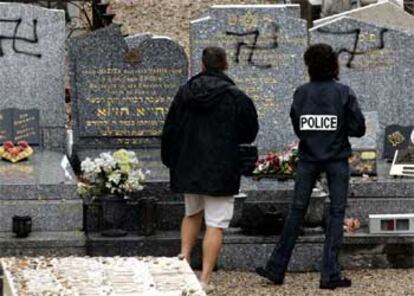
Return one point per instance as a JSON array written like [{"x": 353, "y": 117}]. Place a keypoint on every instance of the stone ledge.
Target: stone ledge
[
  {"x": 240, "y": 252},
  {"x": 52, "y": 215},
  {"x": 69, "y": 243}
]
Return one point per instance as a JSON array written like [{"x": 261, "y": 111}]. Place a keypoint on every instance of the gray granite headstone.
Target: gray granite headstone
[
  {"x": 382, "y": 13},
  {"x": 6, "y": 125},
  {"x": 32, "y": 66},
  {"x": 370, "y": 140},
  {"x": 380, "y": 69},
  {"x": 121, "y": 93},
  {"x": 269, "y": 69}
]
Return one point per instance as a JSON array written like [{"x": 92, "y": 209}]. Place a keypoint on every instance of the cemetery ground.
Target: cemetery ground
[{"x": 390, "y": 282}]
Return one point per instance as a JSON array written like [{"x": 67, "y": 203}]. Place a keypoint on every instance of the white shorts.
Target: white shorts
[{"x": 218, "y": 210}]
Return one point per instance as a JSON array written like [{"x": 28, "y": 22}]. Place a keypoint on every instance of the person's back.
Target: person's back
[
  {"x": 208, "y": 134},
  {"x": 207, "y": 121},
  {"x": 322, "y": 113}
]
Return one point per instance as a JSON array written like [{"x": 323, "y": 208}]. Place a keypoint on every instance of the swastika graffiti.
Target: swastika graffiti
[
  {"x": 15, "y": 37},
  {"x": 354, "y": 51},
  {"x": 253, "y": 46}
]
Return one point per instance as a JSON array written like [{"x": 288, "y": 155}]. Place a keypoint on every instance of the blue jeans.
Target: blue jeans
[{"x": 306, "y": 176}]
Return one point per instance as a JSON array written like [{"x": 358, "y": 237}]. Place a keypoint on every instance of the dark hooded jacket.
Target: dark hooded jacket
[
  {"x": 208, "y": 119},
  {"x": 324, "y": 114}
]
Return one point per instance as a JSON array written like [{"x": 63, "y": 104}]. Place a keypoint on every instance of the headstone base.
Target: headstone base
[{"x": 44, "y": 188}]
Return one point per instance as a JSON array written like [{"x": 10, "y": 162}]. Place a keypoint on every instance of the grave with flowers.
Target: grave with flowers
[{"x": 38, "y": 190}]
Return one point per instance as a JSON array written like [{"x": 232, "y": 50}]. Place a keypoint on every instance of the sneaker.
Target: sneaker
[
  {"x": 269, "y": 275},
  {"x": 333, "y": 284}
]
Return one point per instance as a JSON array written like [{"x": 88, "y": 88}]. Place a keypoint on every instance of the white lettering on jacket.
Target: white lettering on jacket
[{"x": 318, "y": 122}]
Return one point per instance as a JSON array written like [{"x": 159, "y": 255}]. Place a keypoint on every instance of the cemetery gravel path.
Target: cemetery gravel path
[{"x": 388, "y": 282}]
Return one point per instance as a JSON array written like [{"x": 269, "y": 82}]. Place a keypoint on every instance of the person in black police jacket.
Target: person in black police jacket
[
  {"x": 208, "y": 119},
  {"x": 324, "y": 114}
]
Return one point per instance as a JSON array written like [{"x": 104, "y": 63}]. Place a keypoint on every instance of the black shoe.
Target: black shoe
[
  {"x": 269, "y": 275},
  {"x": 333, "y": 284}
]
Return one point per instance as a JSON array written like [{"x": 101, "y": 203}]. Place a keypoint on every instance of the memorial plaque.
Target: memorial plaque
[
  {"x": 26, "y": 126},
  {"x": 121, "y": 96},
  {"x": 377, "y": 62},
  {"x": 397, "y": 137},
  {"x": 363, "y": 162},
  {"x": 265, "y": 46},
  {"x": 17, "y": 125}
]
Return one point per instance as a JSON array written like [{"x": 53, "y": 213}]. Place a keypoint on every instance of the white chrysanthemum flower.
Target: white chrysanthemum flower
[
  {"x": 107, "y": 163},
  {"x": 115, "y": 177},
  {"x": 88, "y": 166}
]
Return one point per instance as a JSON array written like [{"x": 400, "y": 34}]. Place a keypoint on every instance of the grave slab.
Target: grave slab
[
  {"x": 97, "y": 276},
  {"x": 43, "y": 187}
]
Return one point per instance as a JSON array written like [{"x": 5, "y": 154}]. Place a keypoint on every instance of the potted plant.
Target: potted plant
[{"x": 112, "y": 178}]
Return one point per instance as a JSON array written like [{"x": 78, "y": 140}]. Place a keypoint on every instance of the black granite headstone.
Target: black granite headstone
[
  {"x": 397, "y": 137},
  {"x": 17, "y": 125}
]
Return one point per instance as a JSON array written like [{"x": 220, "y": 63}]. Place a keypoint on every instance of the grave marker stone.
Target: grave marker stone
[
  {"x": 17, "y": 125},
  {"x": 265, "y": 46},
  {"x": 32, "y": 66},
  {"x": 121, "y": 94},
  {"x": 378, "y": 63},
  {"x": 370, "y": 140}
]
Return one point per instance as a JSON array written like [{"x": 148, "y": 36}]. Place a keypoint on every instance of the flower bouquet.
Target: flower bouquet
[
  {"x": 278, "y": 165},
  {"x": 112, "y": 178},
  {"x": 15, "y": 153},
  {"x": 117, "y": 173}
]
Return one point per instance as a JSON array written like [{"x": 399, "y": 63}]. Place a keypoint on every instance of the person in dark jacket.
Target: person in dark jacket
[
  {"x": 324, "y": 114},
  {"x": 208, "y": 119}
]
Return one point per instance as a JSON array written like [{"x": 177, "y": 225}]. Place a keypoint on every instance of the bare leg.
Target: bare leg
[
  {"x": 213, "y": 241},
  {"x": 190, "y": 229}
]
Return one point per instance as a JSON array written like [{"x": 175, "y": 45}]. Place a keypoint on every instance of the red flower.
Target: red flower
[
  {"x": 271, "y": 156},
  {"x": 8, "y": 145},
  {"x": 23, "y": 144}
]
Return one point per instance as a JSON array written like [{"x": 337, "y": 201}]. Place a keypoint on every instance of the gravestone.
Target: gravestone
[
  {"x": 32, "y": 108},
  {"x": 378, "y": 63},
  {"x": 120, "y": 93},
  {"x": 32, "y": 54},
  {"x": 265, "y": 46},
  {"x": 383, "y": 13},
  {"x": 370, "y": 139}
]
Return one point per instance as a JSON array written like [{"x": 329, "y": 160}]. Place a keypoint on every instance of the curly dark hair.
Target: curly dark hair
[{"x": 322, "y": 62}]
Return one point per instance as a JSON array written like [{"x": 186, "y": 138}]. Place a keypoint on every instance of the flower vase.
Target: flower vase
[{"x": 114, "y": 209}]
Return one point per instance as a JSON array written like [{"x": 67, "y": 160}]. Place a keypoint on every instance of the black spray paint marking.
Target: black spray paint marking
[
  {"x": 354, "y": 51},
  {"x": 15, "y": 37},
  {"x": 253, "y": 45}
]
